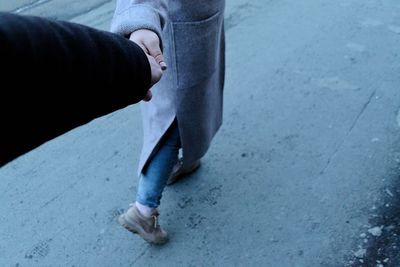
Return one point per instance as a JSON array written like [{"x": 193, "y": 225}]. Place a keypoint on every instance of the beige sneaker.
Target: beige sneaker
[
  {"x": 178, "y": 172},
  {"x": 147, "y": 228}
]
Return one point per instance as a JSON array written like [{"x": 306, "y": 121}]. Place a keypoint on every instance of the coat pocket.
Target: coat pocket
[{"x": 197, "y": 49}]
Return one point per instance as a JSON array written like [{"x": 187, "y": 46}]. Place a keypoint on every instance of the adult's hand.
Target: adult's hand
[
  {"x": 150, "y": 43},
  {"x": 156, "y": 73}
]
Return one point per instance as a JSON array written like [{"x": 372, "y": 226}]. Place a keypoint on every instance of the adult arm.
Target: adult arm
[{"x": 57, "y": 75}]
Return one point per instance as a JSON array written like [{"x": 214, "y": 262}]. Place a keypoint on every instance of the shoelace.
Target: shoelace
[{"x": 155, "y": 217}]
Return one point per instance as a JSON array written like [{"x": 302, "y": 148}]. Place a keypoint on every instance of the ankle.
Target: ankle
[{"x": 144, "y": 210}]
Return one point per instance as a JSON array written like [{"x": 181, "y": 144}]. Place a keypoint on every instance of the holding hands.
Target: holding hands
[{"x": 150, "y": 43}]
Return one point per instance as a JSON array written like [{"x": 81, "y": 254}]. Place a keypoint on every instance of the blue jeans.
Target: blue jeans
[{"x": 158, "y": 169}]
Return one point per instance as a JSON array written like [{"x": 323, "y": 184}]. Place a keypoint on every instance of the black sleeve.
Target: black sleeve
[{"x": 57, "y": 75}]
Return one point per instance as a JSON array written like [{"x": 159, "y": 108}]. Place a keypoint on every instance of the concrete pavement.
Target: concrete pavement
[{"x": 304, "y": 171}]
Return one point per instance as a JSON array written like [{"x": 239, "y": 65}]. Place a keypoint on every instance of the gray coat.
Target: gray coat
[{"x": 191, "y": 89}]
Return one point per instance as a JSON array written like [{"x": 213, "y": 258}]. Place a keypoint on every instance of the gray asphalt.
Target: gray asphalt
[{"x": 304, "y": 172}]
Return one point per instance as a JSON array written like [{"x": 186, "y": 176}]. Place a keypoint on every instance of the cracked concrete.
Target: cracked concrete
[{"x": 349, "y": 131}]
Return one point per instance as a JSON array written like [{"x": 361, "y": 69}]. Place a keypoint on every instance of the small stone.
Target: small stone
[
  {"x": 389, "y": 192},
  {"x": 360, "y": 253},
  {"x": 375, "y": 231}
]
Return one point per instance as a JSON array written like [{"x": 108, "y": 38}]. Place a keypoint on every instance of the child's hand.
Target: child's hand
[{"x": 150, "y": 43}]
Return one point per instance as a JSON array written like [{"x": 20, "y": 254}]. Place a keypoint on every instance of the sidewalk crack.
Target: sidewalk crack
[
  {"x": 348, "y": 132},
  {"x": 29, "y": 6}
]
